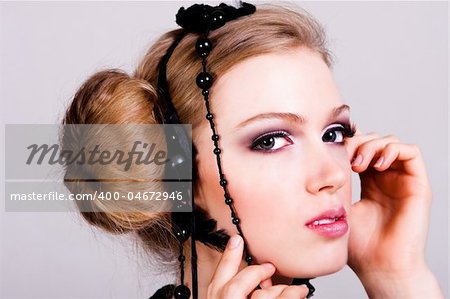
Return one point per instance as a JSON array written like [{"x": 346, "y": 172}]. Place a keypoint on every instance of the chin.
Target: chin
[
  {"x": 313, "y": 262},
  {"x": 328, "y": 266}
]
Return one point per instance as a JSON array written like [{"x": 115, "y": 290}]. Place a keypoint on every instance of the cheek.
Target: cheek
[
  {"x": 211, "y": 196},
  {"x": 346, "y": 190},
  {"x": 252, "y": 192},
  {"x": 267, "y": 201},
  {"x": 273, "y": 205},
  {"x": 271, "y": 201}
]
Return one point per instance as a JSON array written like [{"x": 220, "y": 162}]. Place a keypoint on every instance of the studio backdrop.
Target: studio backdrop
[{"x": 391, "y": 65}]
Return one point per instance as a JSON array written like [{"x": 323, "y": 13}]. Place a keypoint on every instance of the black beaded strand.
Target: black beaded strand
[
  {"x": 182, "y": 291},
  {"x": 201, "y": 19},
  {"x": 204, "y": 81}
]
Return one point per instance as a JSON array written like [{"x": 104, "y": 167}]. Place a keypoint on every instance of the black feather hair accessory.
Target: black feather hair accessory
[{"x": 201, "y": 18}]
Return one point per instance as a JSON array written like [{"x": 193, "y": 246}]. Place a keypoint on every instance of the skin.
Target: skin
[{"x": 276, "y": 193}]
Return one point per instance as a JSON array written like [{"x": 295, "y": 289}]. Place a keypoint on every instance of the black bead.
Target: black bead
[
  {"x": 217, "y": 19},
  {"x": 205, "y": 92},
  {"x": 235, "y": 220},
  {"x": 182, "y": 292},
  {"x": 209, "y": 116},
  {"x": 181, "y": 258},
  {"x": 228, "y": 201},
  {"x": 204, "y": 80},
  {"x": 223, "y": 182},
  {"x": 248, "y": 259},
  {"x": 217, "y": 151},
  {"x": 203, "y": 47},
  {"x": 215, "y": 137},
  {"x": 183, "y": 234}
]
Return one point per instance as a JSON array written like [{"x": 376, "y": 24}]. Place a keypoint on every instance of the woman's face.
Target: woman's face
[{"x": 279, "y": 184}]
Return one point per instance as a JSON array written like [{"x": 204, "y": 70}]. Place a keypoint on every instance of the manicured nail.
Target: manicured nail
[
  {"x": 235, "y": 241},
  {"x": 379, "y": 162},
  {"x": 358, "y": 160}
]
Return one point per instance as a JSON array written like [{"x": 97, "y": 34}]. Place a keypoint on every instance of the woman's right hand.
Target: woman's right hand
[{"x": 228, "y": 283}]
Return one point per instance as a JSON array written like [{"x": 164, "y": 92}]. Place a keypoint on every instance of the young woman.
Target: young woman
[{"x": 288, "y": 149}]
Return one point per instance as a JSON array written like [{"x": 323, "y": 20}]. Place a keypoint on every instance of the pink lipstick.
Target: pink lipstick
[{"x": 331, "y": 223}]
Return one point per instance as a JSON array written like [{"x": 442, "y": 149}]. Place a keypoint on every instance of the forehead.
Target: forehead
[{"x": 296, "y": 81}]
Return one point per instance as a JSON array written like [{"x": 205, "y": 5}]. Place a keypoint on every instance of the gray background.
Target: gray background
[{"x": 391, "y": 67}]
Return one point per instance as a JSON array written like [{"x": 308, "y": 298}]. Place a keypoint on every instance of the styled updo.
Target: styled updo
[{"x": 114, "y": 97}]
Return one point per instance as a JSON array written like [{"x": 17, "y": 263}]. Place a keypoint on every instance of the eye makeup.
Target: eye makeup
[
  {"x": 348, "y": 130},
  {"x": 264, "y": 142},
  {"x": 270, "y": 136}
]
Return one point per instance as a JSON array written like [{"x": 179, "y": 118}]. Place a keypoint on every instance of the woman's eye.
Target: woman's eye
[
  {"x": 271, "y": 142},
  {"x": 338, "y": 134}
]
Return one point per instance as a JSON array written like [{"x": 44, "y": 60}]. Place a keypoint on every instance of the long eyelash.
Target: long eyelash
[
  {"x": 271, "y": 134},
  {"x": 349, "y": 129}
]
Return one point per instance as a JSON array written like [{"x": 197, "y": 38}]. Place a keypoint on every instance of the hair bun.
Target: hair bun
[{"x": 113, "y": 97}]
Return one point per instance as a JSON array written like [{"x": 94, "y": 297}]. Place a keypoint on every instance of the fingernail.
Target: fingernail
[
  {"x": 304, "y": 287},
  {"x": 358, "y": 160},
  {"x": 235, "y": 241},
  {"x": 379, "y": 161}
]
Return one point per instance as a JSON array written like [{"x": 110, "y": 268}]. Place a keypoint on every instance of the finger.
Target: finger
[
  {"x": 408, "y": 156},
  {"x": 247, "y": 280},
  {"x": 354, "y": 142},
  {"x": 370, "y": 150},
  {"x": 300, "y": 291},
  {"x": 269, "y": 293},
  {"x": 281, "y": 291},
  {"x": 266, "y": 283},
  {"x": 229, "y": 263},
  {"x": 388, "y": 155}
]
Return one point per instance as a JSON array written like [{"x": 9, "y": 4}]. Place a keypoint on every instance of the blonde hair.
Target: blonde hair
[{"x": 114, "y": 97}]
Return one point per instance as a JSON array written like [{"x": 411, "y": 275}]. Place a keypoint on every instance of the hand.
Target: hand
[
  {"x": 389, "y": 225},
  {"x": 228, "y": 283}
]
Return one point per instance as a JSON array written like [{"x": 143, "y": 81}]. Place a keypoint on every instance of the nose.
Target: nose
[{"x": 326, "y": 172}]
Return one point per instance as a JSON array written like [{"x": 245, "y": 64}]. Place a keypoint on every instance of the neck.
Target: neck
[{"x": 207, "y": 261}]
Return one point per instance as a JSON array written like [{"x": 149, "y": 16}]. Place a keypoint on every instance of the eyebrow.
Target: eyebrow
[{"x": 290, "y": 117}]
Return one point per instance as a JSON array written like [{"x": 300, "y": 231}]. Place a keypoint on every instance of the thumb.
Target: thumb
[{"x": 229, "y": 263}]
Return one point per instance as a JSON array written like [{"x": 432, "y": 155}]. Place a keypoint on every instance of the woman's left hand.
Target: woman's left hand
[{"x": 389, "y": 225}]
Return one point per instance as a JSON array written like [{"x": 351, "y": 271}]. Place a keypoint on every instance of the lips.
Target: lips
[{"x": 328, "y": 216}]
